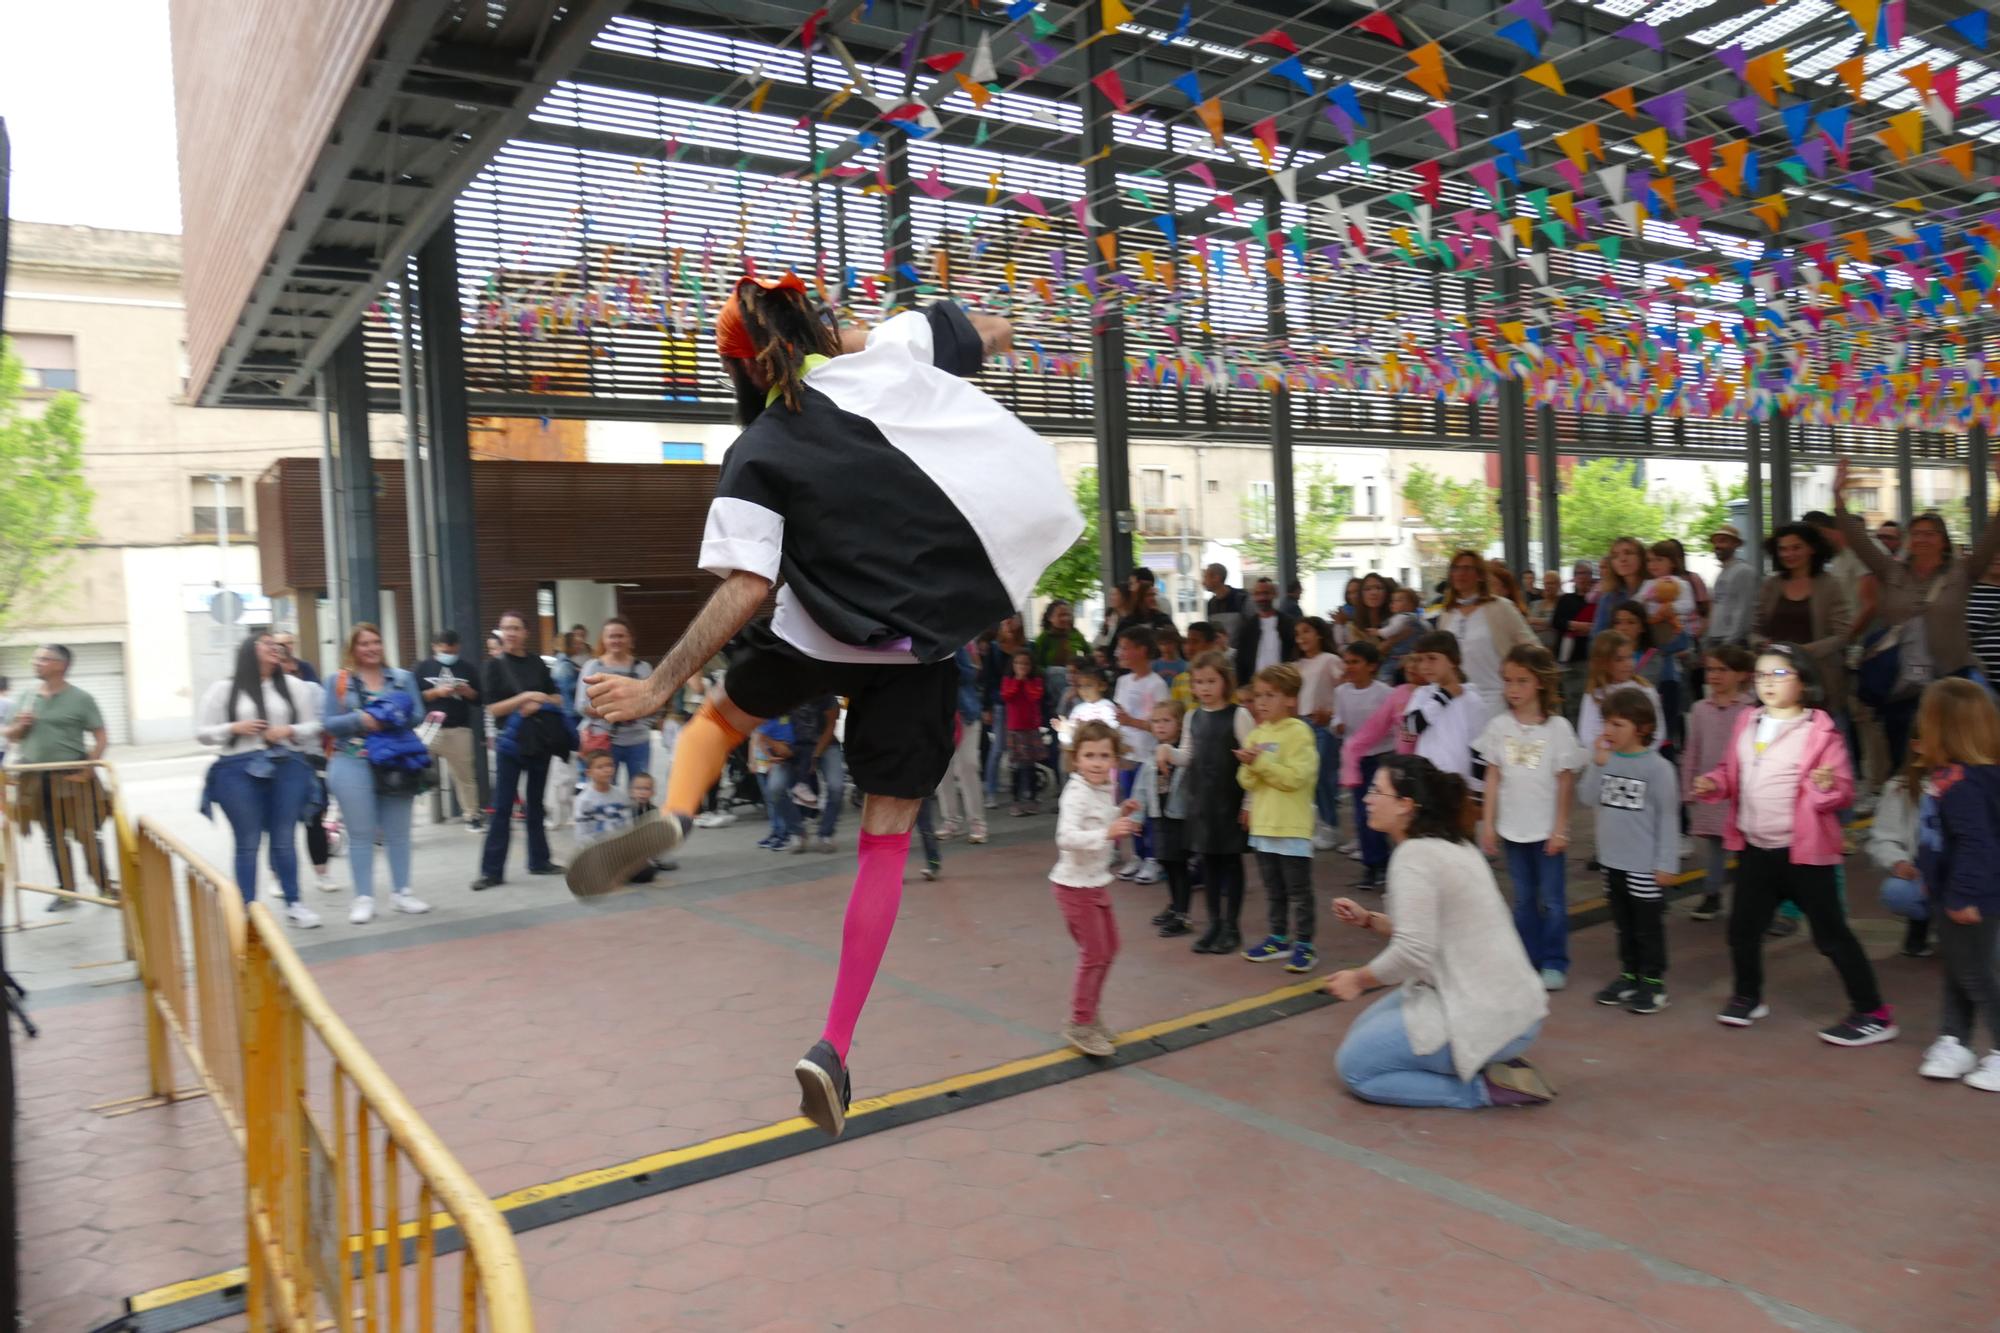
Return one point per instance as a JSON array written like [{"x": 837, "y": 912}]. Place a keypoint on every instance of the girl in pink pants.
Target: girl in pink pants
[{"x": 1088, "y": 826}]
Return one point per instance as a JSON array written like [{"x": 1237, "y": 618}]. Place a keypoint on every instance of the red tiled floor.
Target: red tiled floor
[{"x": 1702, "y": 1165}]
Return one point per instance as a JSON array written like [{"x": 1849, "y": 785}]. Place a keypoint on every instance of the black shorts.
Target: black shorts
[{"x": 899, "y": 715}]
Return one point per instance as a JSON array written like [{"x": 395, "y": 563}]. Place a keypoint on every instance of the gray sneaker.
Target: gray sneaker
[
  {"x": 604, "y": 867},
  {"x": 825, "y": 1091},
  {"x": 1088, "y": 1038}
]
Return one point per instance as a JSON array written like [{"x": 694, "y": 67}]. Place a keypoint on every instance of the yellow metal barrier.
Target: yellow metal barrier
[
  {"x": 342, "y": 1177},
  {"x": 68, "y": 805}
]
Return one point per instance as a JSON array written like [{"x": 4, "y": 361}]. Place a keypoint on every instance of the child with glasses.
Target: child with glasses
[{"x": 1783, "y": 781}]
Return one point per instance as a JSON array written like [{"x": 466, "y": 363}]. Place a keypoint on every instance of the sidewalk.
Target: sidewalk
[{"x": 1690, "y": 1177}]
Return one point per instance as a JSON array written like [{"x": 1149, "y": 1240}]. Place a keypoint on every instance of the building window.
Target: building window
[
  {"x": 1153, "y": 487},
  {"x": 204, "y": 495},
  {"x": 1214, "y": 486},
  {"x": 1262, "y": 514},
  {"x": 1369, "y": 492},
  {"x": 1867, "y": 499},
  {"x": 49, "y": 358}
]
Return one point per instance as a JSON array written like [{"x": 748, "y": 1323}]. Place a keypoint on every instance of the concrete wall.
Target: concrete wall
[{"x": 642, "y": 441}]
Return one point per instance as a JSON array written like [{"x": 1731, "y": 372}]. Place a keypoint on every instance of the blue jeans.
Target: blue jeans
[
  {"x": 1326, "y": 790},
  {"x": 352, "y": 783},
  {"x": 633, "y": 759},
  {"x": 832, "y": 788},
  {"x": 1374, "y": 846},
  {"x": 927, "y": 827},
  {"x": 260, "y": 808},
  {"x": 1142, "y": 841},
  {"x": 778, "y": 801},
  {"x": 1905, "y": 898},
  {"x": 1541, "y": 903},
  {"x": 1377, "y": 1065},
  {"x": 509, "y": 769}
]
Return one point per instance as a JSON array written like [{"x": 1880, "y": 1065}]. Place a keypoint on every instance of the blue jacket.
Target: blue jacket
[
  {"x": 968, "y": 686},
  {"x": 1958, "y": 838},
  {"x": 344, "y": 713},
  {"x": 396, "y": 744}
]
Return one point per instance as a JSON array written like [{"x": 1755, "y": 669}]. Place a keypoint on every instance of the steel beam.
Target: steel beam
[
  {"x": 1551, "y": 487},
  {"x": 1753, "y": 490},
  {"x": 1906, "y": 480},
  {"x": 1285, "y": 515},
  {"x": 1107, "y": 364},
  {"x": 354, "y": 472},
  {"x": 1978, "y": 467},
  {"x": 1778, "y": 435},
  {"x": 455, "y": 543}
]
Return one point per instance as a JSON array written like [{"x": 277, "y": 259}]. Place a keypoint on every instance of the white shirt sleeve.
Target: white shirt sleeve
[{"x": 741, "y": 534}]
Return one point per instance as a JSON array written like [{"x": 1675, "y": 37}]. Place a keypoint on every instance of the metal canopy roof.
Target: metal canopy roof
[{"x": 486, "y": 106}]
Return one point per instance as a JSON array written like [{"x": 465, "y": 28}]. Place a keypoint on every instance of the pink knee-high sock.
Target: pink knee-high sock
[{"x": 871, "y": 918}]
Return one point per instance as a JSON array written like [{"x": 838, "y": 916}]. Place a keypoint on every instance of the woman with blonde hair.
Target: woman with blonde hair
[
  {"x": 1955, "y": 763},
  {"x": 1486, "y": 626},
  {"x": 365, "y": 680}
]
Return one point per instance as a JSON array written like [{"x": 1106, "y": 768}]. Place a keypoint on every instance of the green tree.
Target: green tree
[
  {"x": 1321, "y": 506},
  {"x": 1711, "y": 512},
  {"x": 1461, "y": 516},
  {"x": 44, "y": 500},
  {"x": 1075, "y": 574},
  {"x": 1601, "y": 501}
]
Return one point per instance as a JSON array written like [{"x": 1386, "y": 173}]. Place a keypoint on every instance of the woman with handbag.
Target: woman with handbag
[
  {"x": 368, "y": 805},
  {"x": 630, "y": 744},
  {"x": 529, "y": 730},
  {"x": 261, "y": 719}
]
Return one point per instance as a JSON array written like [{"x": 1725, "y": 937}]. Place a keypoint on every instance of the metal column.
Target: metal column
[
  {"x": 456, "y": 538},
  {"x": 1285, "y": 516},
  {"x": 347, "y": 389},
  {"x": 1107, "y": 364},
  {"x": 1779, "y": 435},
  {"x": 329, "y": 521},
  {"x": 1551, "y": 487},
  {"x": 898, "y": 253},
  {"x": 415, "y": 511},
  {"x": 1511, "y": 405},
  {"x": 1753, "y": 491},
  {"x": 1906, "y": 481},
  {"x": 1978, "y": 466}
]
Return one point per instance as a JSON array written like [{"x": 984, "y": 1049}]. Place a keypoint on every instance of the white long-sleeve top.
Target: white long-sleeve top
[
  {"x": 1590, "y": 717},
  {"x": 1083, "y": 822},
  {"x": 301, "y": 706}
]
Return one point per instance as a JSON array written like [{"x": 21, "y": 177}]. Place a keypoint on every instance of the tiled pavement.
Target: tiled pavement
[{"x": 1689, "y": 1177}]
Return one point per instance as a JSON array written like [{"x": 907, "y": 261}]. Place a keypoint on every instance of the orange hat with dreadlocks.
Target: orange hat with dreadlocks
[{"x": 732, "y": 338}]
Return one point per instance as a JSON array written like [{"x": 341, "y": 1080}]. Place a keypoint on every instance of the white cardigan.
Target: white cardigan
[
  {"x": 1466, "y": 979},
  {"x": 1083, "y": 818},
  {"x": 306, "y": 700}
]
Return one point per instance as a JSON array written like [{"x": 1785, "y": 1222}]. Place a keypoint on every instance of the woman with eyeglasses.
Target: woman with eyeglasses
[
  {"x": 1486, "y": 622},
  {"x": 1467, "y": 1005},
  {"x": 1783, "y": 781}
]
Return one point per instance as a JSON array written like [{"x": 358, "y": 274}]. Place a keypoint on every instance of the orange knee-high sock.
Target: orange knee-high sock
[{"x": 699, "y": 755}]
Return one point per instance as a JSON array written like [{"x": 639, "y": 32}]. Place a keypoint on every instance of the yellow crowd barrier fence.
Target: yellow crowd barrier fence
[{"x": 357, "y": 1217}]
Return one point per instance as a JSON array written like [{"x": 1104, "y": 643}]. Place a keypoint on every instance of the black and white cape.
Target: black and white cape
[{"x": 901, "y": 508}]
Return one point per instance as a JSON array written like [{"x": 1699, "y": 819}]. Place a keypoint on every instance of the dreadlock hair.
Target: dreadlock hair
[{"x": 786, "y": 327}]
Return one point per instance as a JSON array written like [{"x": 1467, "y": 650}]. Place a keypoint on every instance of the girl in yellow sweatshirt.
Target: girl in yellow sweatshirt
[{"x": 1280, "y": 764}]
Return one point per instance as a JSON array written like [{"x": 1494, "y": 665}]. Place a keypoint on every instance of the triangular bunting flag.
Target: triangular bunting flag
[
  {"x": 1622, "y": 99},
  {"x": 1545, "y": 74},
  {"x": 1427, "y": 70}
]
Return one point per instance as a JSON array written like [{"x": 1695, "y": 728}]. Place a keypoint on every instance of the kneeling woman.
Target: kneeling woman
[{"x": 1467, "y": 1003}]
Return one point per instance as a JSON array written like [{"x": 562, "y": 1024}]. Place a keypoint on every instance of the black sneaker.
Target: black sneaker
[
  {"x": 1161, "y": 918},
  {"x": 485, "y": 882},
  {"x": 552, "y": 868},
  {"x": 1229, "y": 941},
  {"x": 1741, "y": 1013},
  {"x": 1709, "y": 908},
  {"x": 604, "y": 867},
  {"x": 1863, "y": 1029},
  {"x": 825, "y": 1092},
  {"x": 1174, "y": 925},
  {"x": 1206, "y": 944},
  {"x": 1652, "y": 998},
  {"x": 1782, "y": 927},
  {"x": 1621, "y": 991},
  {"x": 1917, "y": 940}
]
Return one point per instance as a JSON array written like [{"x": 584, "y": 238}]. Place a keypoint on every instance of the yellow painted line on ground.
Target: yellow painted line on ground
[{"x": 177, "y": 1292}]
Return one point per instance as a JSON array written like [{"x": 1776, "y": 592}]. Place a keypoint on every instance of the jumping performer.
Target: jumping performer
[{"x": 900, "y": 511}]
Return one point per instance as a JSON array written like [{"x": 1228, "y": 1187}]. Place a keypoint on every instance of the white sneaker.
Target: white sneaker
[
  {"x": 977, "y": 836},
  {"x": 1149, "y": 873},
  {"x": 1324, "y": 838},
  {"x": 302, "y": 916},
  {"x": 409, "y": 902},
  {"x": 326, "y": 881},
  {"x": 799, "y": 843},
  {"x": 825, "y": 845},
  {"x": 1352, "y": 849},
  {"x": 362, "y": 912},
  {"x": 1127, "y": 870},
  {"x": 804, "y": 795},
  {"x": 1947, "y": 1057},
  {"x": 714, "y": 819},
  {"x": 1986, "y": 1078}
]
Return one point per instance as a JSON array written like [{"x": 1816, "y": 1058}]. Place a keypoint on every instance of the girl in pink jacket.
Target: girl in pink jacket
[{"x": 1785, "y": 778}]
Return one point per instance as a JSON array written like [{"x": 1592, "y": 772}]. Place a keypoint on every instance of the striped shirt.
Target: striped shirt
[{"x": 1982, "y": 626}]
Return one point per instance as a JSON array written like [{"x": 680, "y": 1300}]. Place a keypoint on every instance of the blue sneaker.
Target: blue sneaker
[
  {"x": 769, "y": 842},
  {"x": 1272, "y": 947},
  {"x": 1303, "y": 958}
]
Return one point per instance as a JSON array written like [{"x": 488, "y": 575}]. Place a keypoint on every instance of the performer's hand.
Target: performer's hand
[
  {"x": 1350, "y": 913},
  {"x": 996, "y": 334},
  {"x": 1964, "y": 916},
  {"x": 620, "y": 698}
]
